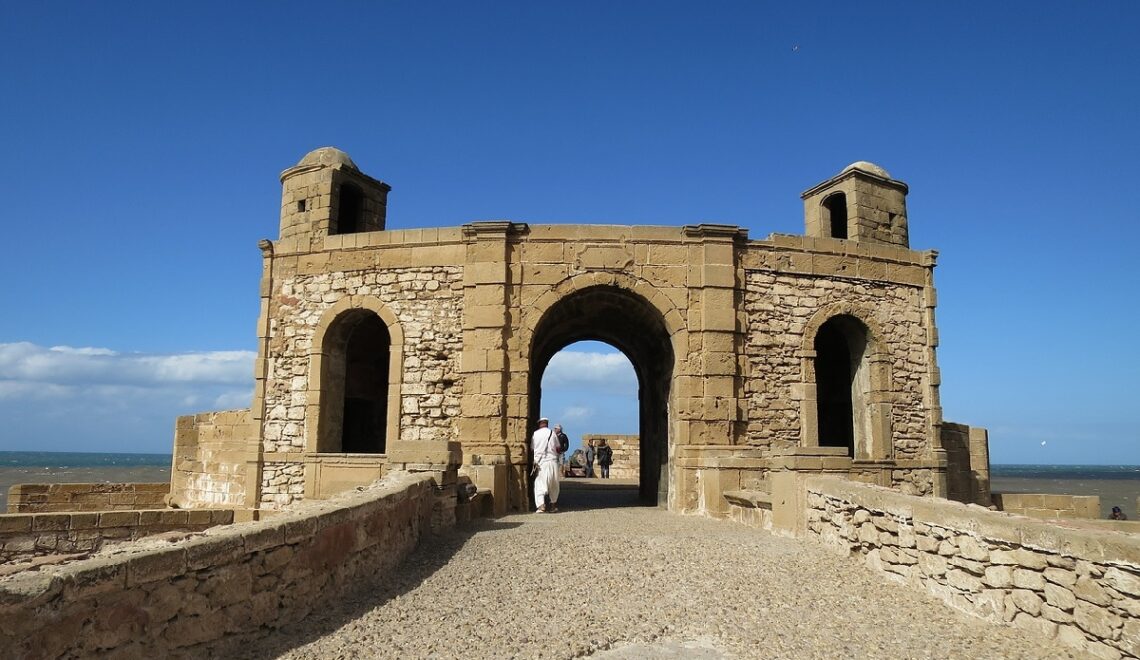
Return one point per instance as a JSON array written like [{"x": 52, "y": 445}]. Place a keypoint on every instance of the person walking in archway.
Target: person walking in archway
[
  {"x": 605, "y": 457},
  {"x": 544, "y": 444}
]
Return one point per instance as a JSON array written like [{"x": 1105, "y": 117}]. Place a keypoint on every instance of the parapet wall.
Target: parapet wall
[
  {"x": 627, "y": 455},
  {"x": 1078, "y": 586},
  {"x": 25, "y": 535},
  {"x": 44, "y": 498},
  {"x": 212, "y": 451},
  {"x": 1048, "y": 507},
  {"x": 237, "y": 582}
]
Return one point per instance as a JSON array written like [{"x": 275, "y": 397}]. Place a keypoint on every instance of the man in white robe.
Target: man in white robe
[{"x": 544, "y": 445}]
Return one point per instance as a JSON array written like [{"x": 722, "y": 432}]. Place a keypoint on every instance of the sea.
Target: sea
[
  {"x": 1117, "y": 485},
  {"x": 42, "y": 467}
]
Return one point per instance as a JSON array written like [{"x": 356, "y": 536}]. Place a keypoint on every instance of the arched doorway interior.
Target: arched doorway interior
[
  {"x": 631, "y": 324},
  {"x": 843, "y": 384},
  {"x": 354, "y": 397}
]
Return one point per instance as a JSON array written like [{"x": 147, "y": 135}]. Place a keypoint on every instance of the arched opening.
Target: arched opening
[
  {"x": 842, "y": 384},
  {"x": 590, "y": 389},
  {"x": 835, "y": 215},
  {"x": 629, "y": 323},
  {"x": 354, "y": 385},
  {"x": 350, "y": 210}
]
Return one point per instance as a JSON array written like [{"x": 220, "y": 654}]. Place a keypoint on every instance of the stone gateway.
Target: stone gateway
[{"x": 424, "y": 349}]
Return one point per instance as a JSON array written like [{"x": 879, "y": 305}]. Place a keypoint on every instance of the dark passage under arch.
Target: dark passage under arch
[
  {"x": 354, "y": 400},
  {"x": 631, "y": 324},
  {"x": 840, "y": 345}
]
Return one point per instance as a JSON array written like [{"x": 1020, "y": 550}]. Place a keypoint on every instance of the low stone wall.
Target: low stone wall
[
  {"x": 42, "y": 498},
  {"x": 627, "y": 455},
  {"x": 25, "y": 535},
  {"x": 1048, "y": 507},
  {"x": 212, "y": 453},
  {"x": 237, "y": 582},
  {"x": 1078, "y": 586}
]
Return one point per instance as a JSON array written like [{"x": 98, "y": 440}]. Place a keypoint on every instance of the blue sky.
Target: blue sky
[{"x": 143, "y": 144}]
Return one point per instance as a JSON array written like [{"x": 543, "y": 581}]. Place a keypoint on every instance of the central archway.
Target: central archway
[{"x": 630, "y": 323}]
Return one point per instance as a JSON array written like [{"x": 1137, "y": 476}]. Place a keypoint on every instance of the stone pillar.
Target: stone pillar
[
  {"x": 255, "y": 460},
  {"x": 709, "y": 407},
  {"x": 931, "y": 398},
  {"x": 487, "y": 427},
  {"x": 980, "y": 465}
]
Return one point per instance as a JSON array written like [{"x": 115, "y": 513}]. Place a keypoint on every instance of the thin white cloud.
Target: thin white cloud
[
  {"x": 97, "y": 399},
  {"x": 24, "y": 362},
  {"x": 610, "y": 371},
  {"x": 576, "y": 414}
]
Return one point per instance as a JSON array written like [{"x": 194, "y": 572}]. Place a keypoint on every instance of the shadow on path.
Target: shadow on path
[
  {"x": 432, "y": 553},
  {"x": 579, "y": 494}
]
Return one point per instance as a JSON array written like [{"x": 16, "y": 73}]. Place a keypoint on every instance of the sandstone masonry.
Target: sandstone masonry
[{"x": 380, "y": 349}]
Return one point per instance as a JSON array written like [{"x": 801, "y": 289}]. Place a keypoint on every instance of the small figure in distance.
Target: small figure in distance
[
  {"x": 605, "y": 457},
  {"x": 590, "y": 454},
  {"x": 1117, "y": 514},
  {"x": 544, "y": 444},
  {"x": 563, "y": 447}
]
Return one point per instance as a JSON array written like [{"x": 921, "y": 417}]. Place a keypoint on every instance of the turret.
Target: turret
[
  {"x": 326, "y": 194},
  {"x": 861, "y": 203}
]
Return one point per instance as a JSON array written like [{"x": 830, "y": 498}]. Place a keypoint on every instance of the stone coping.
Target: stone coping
[
  {"x": 1095, "y": 544},
  {"x": 752, "y": 499}
]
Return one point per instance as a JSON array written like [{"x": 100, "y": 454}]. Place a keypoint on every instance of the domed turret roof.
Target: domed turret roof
[
  {"x": 868, "y": 167},
  {"x": 327, "y": 156}
]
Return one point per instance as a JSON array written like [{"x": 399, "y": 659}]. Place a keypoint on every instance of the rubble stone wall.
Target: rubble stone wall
[
  {"x": 779, "y": 308},
  {"x": 24, "y": 535},
  {"x": 427, "y": 301},
  {"x": 237, "y": 582},
  {"x": 212, "y": 451},
  {"x": 45, "y": 498},
  {"x": 1078, "y": 586}
]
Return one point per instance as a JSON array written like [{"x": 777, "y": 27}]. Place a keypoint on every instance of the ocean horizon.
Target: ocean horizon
[
  {"x": 1116, "y": 485},
  {"x": 70, "y": 459},
  {"x": 96, "y": 459}
]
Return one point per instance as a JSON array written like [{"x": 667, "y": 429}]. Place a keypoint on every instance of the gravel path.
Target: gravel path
[{"x": 627, "y": 582}]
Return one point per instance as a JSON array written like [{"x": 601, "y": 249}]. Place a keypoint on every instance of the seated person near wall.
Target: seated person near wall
[{"x": 1117, "y": 514}]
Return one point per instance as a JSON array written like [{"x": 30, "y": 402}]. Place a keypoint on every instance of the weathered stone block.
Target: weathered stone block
[
  {"x": 1026, "y": 601},
  {"x": 1124, "y": 582},
  {"x": 1055, "y": 614},
  {"x": 1095, "y": 620},
  {"x": 1060, "y": 597},
  {"x": 155, "y": 565},
  {"x": 1024, "y": 579},
  {"x": 1065, "y": 578},
  {"x": 999, "y": 577},
  {"x": 962, "y": 580},
  {"x": 969, "y": 548},
  {"x": 1035, "y": 625},
  {"x": 1088, "y": 589}
]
